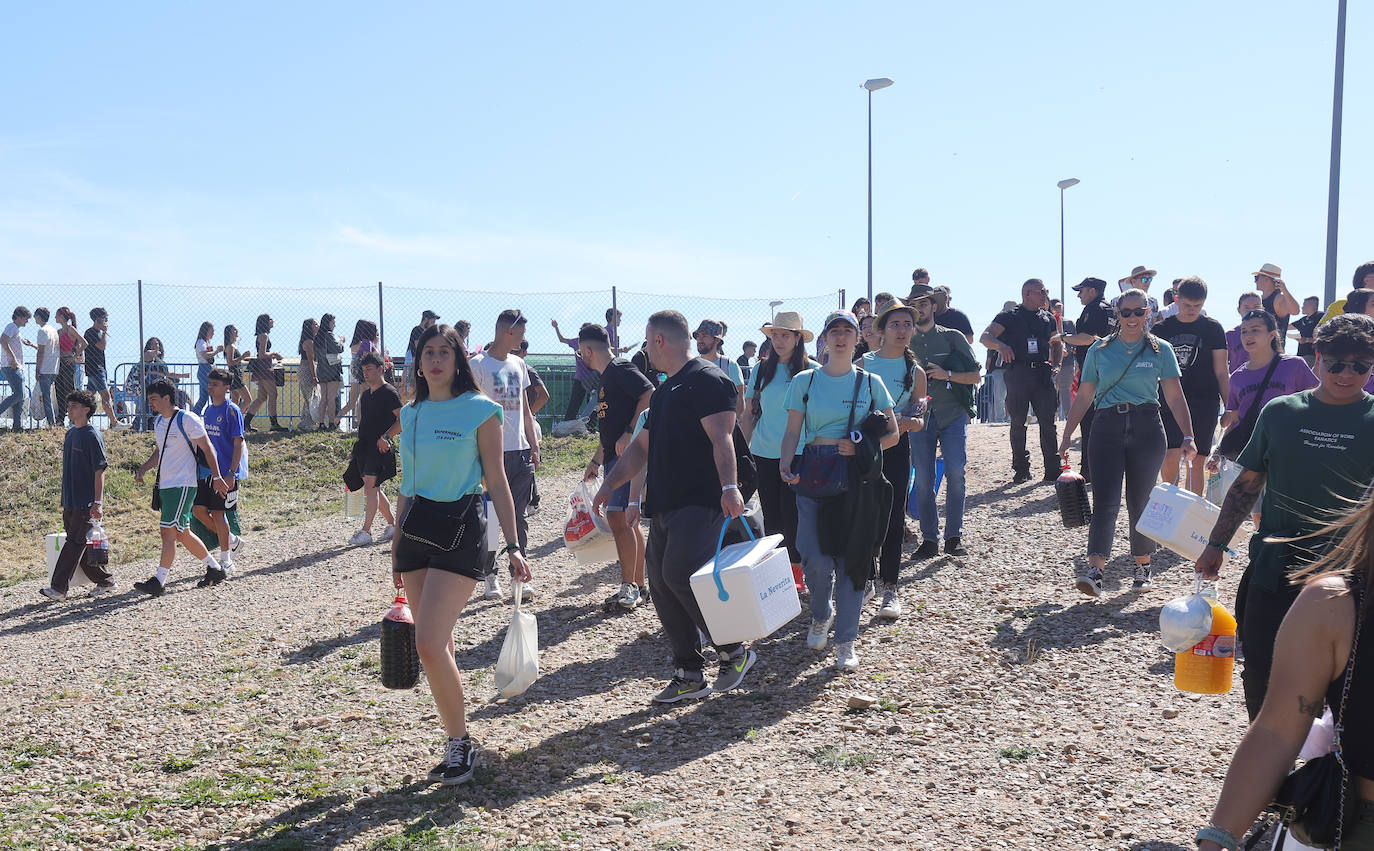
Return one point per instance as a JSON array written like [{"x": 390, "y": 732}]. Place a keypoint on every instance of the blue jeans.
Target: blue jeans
[
  {"x": 15, "y": 377},
  {"x": 952, "y": 440},
  {"x": 203, "y": 379},
  {"x": 825, "y": 574},
  {"x": 45, "y": 389}
]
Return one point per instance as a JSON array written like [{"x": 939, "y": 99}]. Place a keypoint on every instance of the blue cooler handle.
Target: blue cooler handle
[{"x": 720, "y": 540}]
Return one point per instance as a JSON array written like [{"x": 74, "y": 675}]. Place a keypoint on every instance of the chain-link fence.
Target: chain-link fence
[{"x": 153, "y": 328}]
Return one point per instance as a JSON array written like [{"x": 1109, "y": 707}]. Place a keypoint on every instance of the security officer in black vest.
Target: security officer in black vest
[{"x": 1022, "y": 338}]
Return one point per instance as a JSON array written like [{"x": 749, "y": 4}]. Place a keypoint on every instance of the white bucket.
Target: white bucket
[
  {"x": 355, "y": 503},
  {"x": 52, "y": 546},
  {"x": 1178, "y": 519},
  {"x": 760, "y": 595}
]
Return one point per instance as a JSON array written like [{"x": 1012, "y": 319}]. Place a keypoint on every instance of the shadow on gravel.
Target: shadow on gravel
[
  {"x": 82, "y": 608},
  {"x": 299, "y": 561},
  {"x": 316, "y": 650}
]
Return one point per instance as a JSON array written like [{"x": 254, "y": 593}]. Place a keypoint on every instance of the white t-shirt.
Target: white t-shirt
[
  {"x": 11, "y": 338},
  {"x": 504, "y": 381},
  {"x": 178, "y": 459},
  {"x": 48, "y": 348},
  {"x": 201, "y": 348}
]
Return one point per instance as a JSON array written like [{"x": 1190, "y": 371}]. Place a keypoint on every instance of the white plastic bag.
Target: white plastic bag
[
  {"x": 518, "y": 665},
  {"x": 582, "y": 527},
  {"x": 1219, "y": 483}
]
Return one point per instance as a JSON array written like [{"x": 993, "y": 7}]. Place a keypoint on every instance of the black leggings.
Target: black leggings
[
  {"x": 897, "y": 470},
  {"x": 1129, "y": 443},
  {"x": 779, "y": 506}
]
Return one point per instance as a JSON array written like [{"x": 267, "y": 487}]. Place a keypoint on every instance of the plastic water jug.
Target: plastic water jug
[
  {"x": 355, "y": 503},
  {"x": 1178, "y": 519},
  {"x": 1185, "y": 621},
  {"x": 1072, "y": 490},
  {"x": 400, "y": 659},
  {"x": 1206, "y": 667},
  {"x": 1220, "y": 482},
  {"x": 97, "y": 544}
]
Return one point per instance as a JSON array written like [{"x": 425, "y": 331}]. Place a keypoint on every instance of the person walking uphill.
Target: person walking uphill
[
  {"x": 1311, "y": 455},
  {"x": 691, "y": 490},
  {"x": 833, "y": 404},
  {"x": 1123, "y": 377},
  {"x": 379, "y": 406},
  {"x": 1199, "y": 343},
  {"x": 951, "y": 374},
  {"x": 450, "y": 441},
  {"x": 503, "y": 377},
  {"x": 83, "y": 489},
  {"x": 1023, "y": 338},
  {"x": 895, "y": 364}
]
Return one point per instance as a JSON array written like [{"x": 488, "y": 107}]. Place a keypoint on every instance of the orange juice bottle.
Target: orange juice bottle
[{"x": 1206, "y": 667}]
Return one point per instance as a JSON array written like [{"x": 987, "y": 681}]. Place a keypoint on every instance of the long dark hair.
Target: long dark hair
[
  {"x": 264, "y": 324},
  {"x": 463, "y": 380},
  {"x": 204, "y": 326},
  {"x": 327, "y": 323},
  {"x": 1269, "y": 322},
  {"x": 768, "y": 367},
  {"x": 364, "y": 329},
  {"x": 231, "y": 335},
  {"x": 309, "y": 328}
]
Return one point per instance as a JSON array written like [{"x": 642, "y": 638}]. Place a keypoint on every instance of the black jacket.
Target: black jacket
[{"x": 854, "y": 524}]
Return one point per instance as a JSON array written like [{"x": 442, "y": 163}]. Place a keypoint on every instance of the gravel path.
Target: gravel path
[{"x": 1010, "y": 711}]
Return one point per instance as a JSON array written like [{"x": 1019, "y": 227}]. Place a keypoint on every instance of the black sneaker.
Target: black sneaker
[
  {"x": 929, "y": 548},
  {"x": 1021, "y": 477},
  {"x": 213, "y": 577},
  {"x": 150, "y": 586},
  {"x": 460, "y": 760},
  {"x": 954, "y": 547}
]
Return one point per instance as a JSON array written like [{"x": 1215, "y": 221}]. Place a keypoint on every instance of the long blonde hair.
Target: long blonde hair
[{"x": 1351, "y": 553}]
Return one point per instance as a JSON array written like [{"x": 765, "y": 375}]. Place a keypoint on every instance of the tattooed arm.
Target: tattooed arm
[
  {"x": 1310, "y": 651},
  {"x": 1240, "y": 499}
]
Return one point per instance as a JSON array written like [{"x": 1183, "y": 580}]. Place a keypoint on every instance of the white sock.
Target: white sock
[
  {"x": 163, "y": 573},
  {"x": 223, "y": 554},
  {"x": 210, "y": 562}
]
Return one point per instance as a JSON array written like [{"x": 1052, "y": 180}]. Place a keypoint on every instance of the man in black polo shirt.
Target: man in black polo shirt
[
  {"x": 1023, "y": 338},
  {"x": 692, "y": 488},
  {"x": 1097, "y": 320}
]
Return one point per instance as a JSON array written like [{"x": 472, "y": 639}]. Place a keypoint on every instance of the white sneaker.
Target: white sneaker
[
  {"x": 819, "y": 633},
  {"x": 120, "y": 425},
  {"x": 236, "y": 544},
  {"x": 100, "y": 590},
  {"x": 628, "y": 598},
  {"x": 493, "y": 589},
  {"x": 52, "y": 594},
  {"x": 1091, "y": 583},
  {"x": 526, "y": 592},
  {"x": 892, "y": 604},
  {"x": 845, "y": 657},
  {"x": 361, "y": 538},
  {"x": 226, "y": 564},
  {"x": 387, "y": 534}
]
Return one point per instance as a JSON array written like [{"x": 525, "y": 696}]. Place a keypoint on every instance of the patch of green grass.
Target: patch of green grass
[
  {"x": 229, "y": 788},
  {"x": 1018, "y": 753},
  {"x": 178, "y": 764},
  {"x": 832, "y": 756},
  {"x": 423, "y": 835},
  {"x": 565, "y": 454},
  {"x": 643, "y": 808}
]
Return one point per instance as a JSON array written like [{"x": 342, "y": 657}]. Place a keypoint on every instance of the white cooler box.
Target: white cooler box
[
  {"x": 760, "y": 594},
  {"x": 52, "y": 545},
  {"x": 1178, "y": 519}
]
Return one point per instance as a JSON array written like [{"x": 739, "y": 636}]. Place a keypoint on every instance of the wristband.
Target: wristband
[
  {"x": 628, "y": 504},
  {"x": 729, "y": 487},
  {"x": 1218, "y": 544},
  {"x": 511, "y": 548},
  {"x": 1219, "y": 835},
  {"x": 1188, "y": 437}
]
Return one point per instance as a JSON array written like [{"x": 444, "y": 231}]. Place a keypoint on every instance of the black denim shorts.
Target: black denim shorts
[{"x": 469, "y": 558}]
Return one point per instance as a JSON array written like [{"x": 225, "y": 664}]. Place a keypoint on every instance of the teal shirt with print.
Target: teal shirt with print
[
  {"x": 828, "y": 399},
  {"x": 443, "y": 436},
  {"x": 1318, "y": 460},
  {"x": 893, "y": 372},
  {"x": 766, "y": 441},
  {"x": 1139, "y": 385}
]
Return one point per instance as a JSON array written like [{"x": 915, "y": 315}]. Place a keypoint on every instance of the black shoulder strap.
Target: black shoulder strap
[
  {"x": 854, "y": 400},
  {"x": 1252, "y": 415}
]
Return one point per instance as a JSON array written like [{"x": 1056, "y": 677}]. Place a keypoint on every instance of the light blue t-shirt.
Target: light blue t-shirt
[
  {"x": 766, "y": 441},
  {"x": 828, "y": 400},
  {"x": 443, "y": 437},
  {"x": 893, "y": 372},
  {"x": 1139, "y": 385},
  {"x": 730, "y": 368}
]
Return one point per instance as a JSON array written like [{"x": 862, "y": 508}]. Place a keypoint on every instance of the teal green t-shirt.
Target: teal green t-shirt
[
  {"x": 439, "y": 457},
  {"x": 1318, "y": 459},
  {"x": 828, "y": 400},
  {"x": 893, "y": 372},
  {"x": 766, "y": 441},
  {"x": 730, "y": 368},
  {"x": 1139, "y": 385}
]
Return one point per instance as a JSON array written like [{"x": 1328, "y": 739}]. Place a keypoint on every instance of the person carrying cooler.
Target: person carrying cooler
[
  {"x": 450, "y": 440},
  {"x": 83, "y": 491},
  {"x": 765, "y": 423},
  {"x": 831, "y": 404}
]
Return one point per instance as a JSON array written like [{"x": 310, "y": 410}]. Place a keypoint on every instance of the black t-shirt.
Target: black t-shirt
[
  {"x": 956, "y": 319},
  {"x": 1097, "y": 319},
  {"x": 641, "y": 362},
  {"x": 1282, "y": 320},
  {"x": 1027, "y": 332},
  {"x": 1306, "y": 326},
  {"x": 414, "y": 338},
  {"x": 682, "y": 467},
  {"x": 95, "y": 356},
  {"x": 378, "y": 409},
  {"x": 1194, "y": 343},
  {"x": 621, "y": 386}
]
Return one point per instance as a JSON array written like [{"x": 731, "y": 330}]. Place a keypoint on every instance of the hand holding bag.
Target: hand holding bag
[{"x": 518, "y": 665}]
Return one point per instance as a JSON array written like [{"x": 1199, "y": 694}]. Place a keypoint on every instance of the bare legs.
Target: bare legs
[
  {"x": 437, "y": 598},
  {"x": 376, "y": 499}
]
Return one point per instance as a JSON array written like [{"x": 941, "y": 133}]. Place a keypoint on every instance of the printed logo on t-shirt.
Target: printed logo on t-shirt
[{"x": 1339, "y": 441}]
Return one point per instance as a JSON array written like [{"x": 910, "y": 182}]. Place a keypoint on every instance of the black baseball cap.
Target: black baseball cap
[
  {"x": 1092, "y": 283},
  {"x": 429, "y": 314}
]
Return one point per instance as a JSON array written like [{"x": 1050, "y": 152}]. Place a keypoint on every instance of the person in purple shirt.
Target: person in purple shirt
[
  {"x": 1235, "y": 349},
  {"x": 1259, "y": 332}
]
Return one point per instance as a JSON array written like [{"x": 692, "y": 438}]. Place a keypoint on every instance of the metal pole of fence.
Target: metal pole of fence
[
  {"x": 615, "y": 311},
  {"x": 381, "y": 323},
  {"x": 842, "y": 298},
  {"x": 143, "y": 379}
]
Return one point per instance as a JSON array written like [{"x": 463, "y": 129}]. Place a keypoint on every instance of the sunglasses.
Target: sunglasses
[
  {"x": 1127, "y": 312},
  {"x": 1145, "y": 280},
  {"x": 1336, "y": 367}
]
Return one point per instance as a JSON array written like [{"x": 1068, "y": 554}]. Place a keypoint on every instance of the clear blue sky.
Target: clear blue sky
[{"x": 716, "y": 151}]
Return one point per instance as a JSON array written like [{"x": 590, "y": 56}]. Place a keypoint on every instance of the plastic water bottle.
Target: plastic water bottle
[
  {"x": 97, "y": 544},
  {"x": 1206, "y": 667},
  {"x": 1072, "y": 490},
  {"x": 400, "y": 659}
]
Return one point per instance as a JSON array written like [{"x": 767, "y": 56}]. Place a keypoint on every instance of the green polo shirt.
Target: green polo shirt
[{"x": 945, "y": 348}]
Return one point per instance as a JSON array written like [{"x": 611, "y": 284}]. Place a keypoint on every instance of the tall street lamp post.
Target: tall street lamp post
[
  {"x": 1333, "y": 196},
  {"x": 872, "y": 86},
  {"x": 1063, "y": 184}
]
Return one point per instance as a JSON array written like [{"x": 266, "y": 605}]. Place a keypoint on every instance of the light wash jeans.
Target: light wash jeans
[
  {"x": 825, "y": 575},
  {"x": 15, "y": 377},
  {"x": 45, "y": 390},
  {"x": 203, "y": 380},
  {"x": 998, "y": 409},
  {"x": 952, "y": 440}
]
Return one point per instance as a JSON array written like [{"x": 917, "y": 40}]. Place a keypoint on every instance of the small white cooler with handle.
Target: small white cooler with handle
[
  {"x": 1178, "y": 519},
  {"x": 746, "y": 592}
]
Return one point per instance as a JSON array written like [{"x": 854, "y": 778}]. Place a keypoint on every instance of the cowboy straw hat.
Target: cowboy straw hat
[
  {"x": 897, "y": 304},
  {"x": 1269, "y": 270},
  {"x": 1141, "y": 272},
  {"x": 789, "y": 320}
]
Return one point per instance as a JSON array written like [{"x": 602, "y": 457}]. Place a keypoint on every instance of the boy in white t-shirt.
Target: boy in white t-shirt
[
  {"x": 503, "y": 377},
  {"x": 178, "y": 434},
  {"x": 45, "y": 370},
  {"x": 12, "y": 345}
]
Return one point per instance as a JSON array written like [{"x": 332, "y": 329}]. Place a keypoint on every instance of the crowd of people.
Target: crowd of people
[{"x": 828, "y": 439}]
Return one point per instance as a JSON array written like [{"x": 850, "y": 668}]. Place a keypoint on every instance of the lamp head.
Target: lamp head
[
  {"x": 1065, "y": 184},
  {"x": 878, "y": 83}
]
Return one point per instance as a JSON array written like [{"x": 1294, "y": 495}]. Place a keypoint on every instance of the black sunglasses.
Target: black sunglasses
[
  {"x": 1125, "y": 312},
  {"x": 1336, "y": 367}
]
